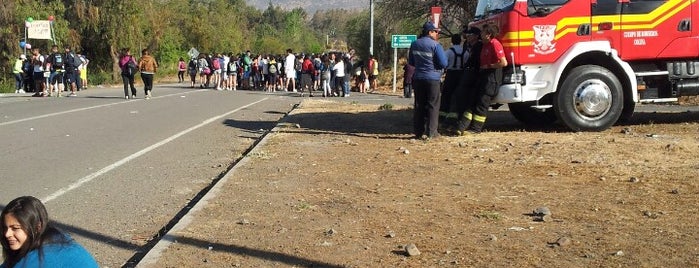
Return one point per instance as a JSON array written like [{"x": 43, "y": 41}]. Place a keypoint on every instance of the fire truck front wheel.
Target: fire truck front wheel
[{"x": 589, "y": 99}]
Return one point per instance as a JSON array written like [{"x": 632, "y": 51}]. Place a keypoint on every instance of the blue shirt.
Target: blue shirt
[
  {"x": 56, "y": 256},
  {"x": 428, "y": 57}
]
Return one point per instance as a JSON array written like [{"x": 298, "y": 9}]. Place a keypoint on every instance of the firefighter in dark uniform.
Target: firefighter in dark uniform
[
  {"x": 492, "y": 58},
  {"x": 465, "y": 93},
  {"x": 456, "y": 56}
]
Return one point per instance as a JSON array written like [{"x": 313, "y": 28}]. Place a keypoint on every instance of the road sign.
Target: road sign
[
  {"x": 193, "y": 53},
  {"x": 402, "y": 41}
]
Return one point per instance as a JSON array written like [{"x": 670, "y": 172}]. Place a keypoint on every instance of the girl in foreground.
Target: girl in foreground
[{"x": 30, "y": 240}]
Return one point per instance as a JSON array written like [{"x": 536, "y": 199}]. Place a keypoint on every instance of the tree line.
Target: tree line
[{"x": 101, "y": 28}]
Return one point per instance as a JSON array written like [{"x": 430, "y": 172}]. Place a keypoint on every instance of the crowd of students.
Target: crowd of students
[
  {"x": 50, "y": 74},
  {"x": 330, "y": 73}
]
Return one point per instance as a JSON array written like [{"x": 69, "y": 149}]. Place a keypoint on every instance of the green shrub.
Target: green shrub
[{"x": 7, "y": 86}]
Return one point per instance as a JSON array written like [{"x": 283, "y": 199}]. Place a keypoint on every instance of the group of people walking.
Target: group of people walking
[
  {"x": 470, "y": 84},
  {"x": 146, "y": 65},
  {"x": 330, "y": 73}
]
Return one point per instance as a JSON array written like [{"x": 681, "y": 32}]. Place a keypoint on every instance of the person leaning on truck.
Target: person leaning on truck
[
  {"x": 428, "y": 57},
  {"x": 492, "y": 58},
  {"x": 465, "y": 94}
]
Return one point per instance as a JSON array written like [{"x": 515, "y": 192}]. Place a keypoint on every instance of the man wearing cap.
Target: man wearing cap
[
  {"x": 465, "y": 94},
  {"x": 19, "y": 73},
  {"x": 428, "y": 57}
]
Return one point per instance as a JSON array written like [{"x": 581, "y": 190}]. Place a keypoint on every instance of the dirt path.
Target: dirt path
[{"x": 342, "y": 185}]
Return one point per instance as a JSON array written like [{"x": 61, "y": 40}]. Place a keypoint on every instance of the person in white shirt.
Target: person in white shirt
[
  {"x": 223, "y": 84},
  {"x": 290, "y": 71},
  {"x": 339, "y": 69}
]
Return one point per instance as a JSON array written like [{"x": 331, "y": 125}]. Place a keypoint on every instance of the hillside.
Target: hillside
[{"x": 310, "y": 6}]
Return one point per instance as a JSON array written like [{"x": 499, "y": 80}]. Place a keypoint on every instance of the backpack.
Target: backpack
[
  {"x": 273, "y": 67},
  {"x": 130, "y": 67},
  {"x": 297, "y": 65},
  {"x": 72, "y": 62},
  {"x": 317, "y": 65},
  {"x": 57, "y": 61},
  {"x": 27, "y": 67},
  {"x": 192, "y": 65},
  {"x": 232, "y": 66},
  {"x": 457, "y": 57}
]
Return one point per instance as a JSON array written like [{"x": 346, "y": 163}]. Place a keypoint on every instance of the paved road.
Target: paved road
[{"x": 115, "y": 172}]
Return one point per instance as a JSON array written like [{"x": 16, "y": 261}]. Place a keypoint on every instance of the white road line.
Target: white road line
[
  {"x": 87, "y": 108},
  {"x": 106, "y": 169}
]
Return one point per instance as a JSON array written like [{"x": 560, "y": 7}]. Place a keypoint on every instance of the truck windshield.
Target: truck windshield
[{"x": 487, "y": 7}]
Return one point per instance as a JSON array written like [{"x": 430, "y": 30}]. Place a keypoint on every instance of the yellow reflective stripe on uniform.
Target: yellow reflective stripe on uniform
[
  {"x": 468, "y": 116},
  {"x": 479, "y": 118},
  {"x": 452, "y": 115}
]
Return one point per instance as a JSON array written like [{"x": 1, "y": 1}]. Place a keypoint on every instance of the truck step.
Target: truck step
[
  {"x": 663, "y": 100},
  {"x": 653, "y": 73},
  {"x": 542, "y": 107}
]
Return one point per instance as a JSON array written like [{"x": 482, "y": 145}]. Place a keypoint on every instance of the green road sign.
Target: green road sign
[{"x": 402, "y": 40}]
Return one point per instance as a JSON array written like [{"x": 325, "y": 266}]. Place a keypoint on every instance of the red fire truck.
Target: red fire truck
[{"x": 587, "y": 63}]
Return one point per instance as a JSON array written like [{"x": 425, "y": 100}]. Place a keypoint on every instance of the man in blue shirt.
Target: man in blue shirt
[{"x": 428, "y": 57}]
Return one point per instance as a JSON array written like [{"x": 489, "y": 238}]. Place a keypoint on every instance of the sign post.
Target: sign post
[
  {"x": 436, "y": 15},
  {"x": 399, "y": 41}
]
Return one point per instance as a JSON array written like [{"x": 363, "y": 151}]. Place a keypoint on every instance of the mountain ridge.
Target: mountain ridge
[{"x": 310, "y": 6}]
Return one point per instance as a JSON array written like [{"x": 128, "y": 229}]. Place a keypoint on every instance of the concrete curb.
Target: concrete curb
[{"x": 152, "y": 257}]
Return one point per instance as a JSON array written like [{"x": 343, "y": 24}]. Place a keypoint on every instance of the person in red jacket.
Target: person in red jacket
[{"x": 307, "y": 71}]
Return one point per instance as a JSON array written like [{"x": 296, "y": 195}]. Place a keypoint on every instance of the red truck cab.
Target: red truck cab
[{"x": 586, "y": 63}]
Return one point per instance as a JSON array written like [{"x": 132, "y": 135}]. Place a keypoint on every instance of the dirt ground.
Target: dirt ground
[{"x": 343, "y": 185}]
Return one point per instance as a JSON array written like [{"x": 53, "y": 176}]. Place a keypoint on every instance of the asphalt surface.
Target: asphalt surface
[{"x": 117, "y": 174}]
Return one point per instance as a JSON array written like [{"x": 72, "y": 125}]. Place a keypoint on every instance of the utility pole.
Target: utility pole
[{"x": 371, "y": 31}]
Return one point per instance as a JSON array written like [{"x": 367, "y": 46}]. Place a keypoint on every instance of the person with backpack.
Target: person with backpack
[
  {"x": 19, "y": 73},
  {"x": 192, "y": 71},
  {"x": 71, "y": 74},
  {"x": 37, "y": 62},
  {"x": 317, "y": 65},
  {"x": 27, "y": 75},
  {"x": 246, "y": 61},
  {"x": 307, "y": 71},
  {"x": 148, "y": 67},
  {"x": 55, "y": 64},
  {"x": 273, "y": 71},
  {"x": 128, "y": 66},
  {"x": 181, "y": 68},
  {"x": 216, "y": 68},
  {"x": 456, "y": 57},
  {"x": 204, "y": 69},
  {"x": 233, "y": 72}
]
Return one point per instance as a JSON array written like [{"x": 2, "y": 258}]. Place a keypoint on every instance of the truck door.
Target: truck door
[
  {"x": 657, "y": 28},
  {"x": 606, "y": 22},
  {"x": 550, "y": 27}
]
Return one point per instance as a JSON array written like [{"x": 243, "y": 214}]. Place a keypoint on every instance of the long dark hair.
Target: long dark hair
[{"x": 32, "y": 216}]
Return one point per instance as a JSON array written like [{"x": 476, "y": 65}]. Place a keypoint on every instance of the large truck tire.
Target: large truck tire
[
  {"x": 523, "y": 112},
  {"x": 589, "y": 99}
]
